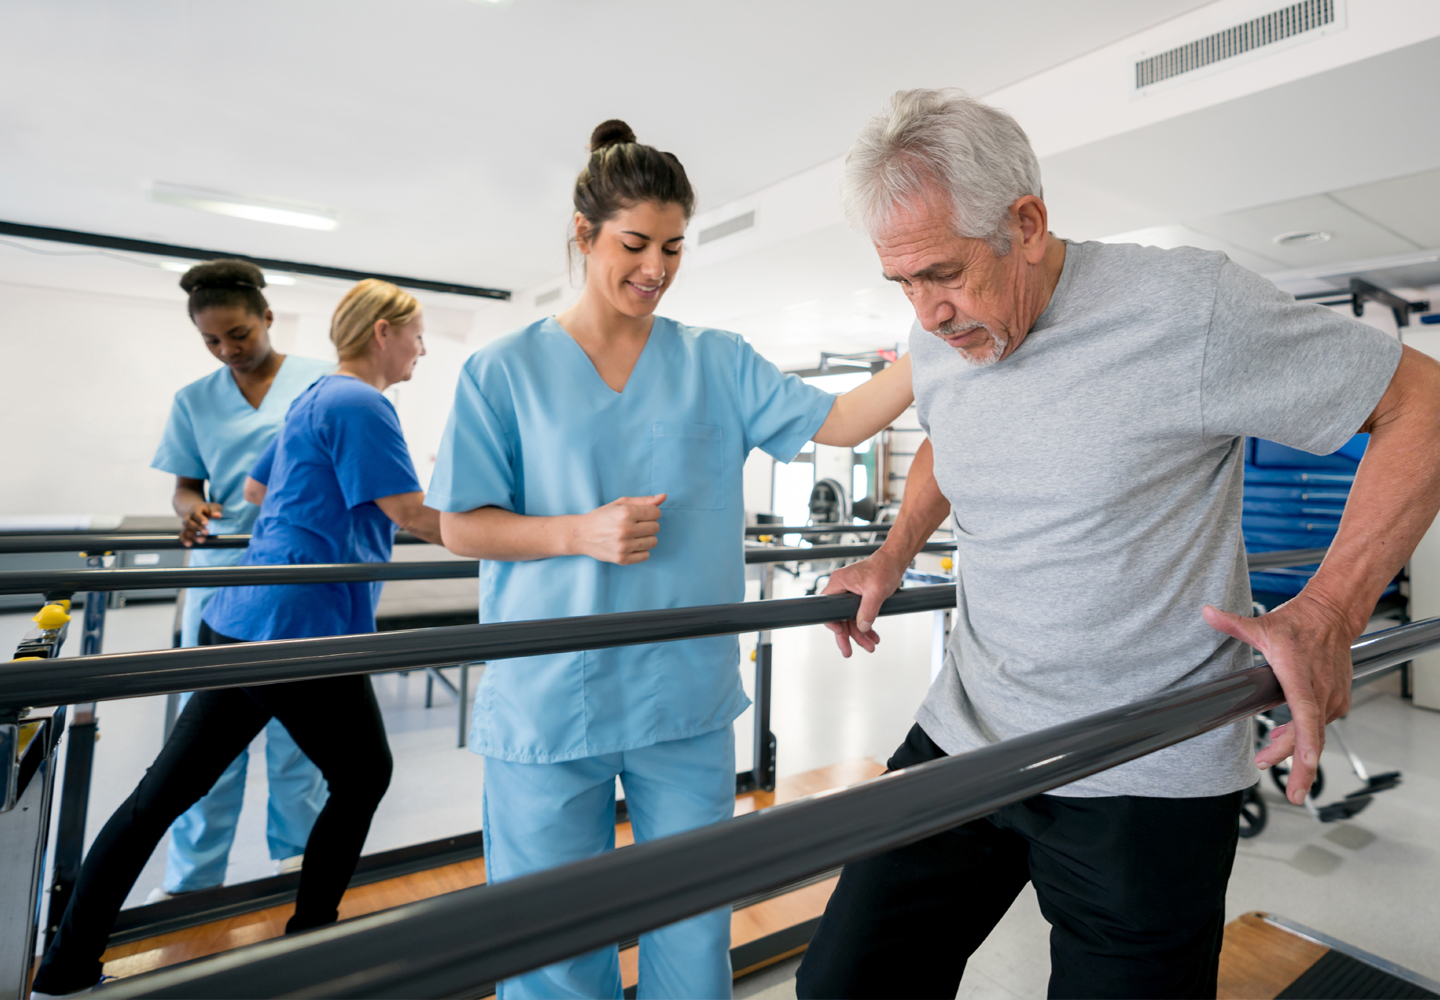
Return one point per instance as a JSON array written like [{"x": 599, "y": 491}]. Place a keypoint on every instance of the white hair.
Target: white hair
[{"x": 977, "y": 154}]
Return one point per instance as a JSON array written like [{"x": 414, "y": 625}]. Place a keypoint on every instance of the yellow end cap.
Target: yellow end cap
[
  {"x": 19, "y": 658},
  {"x": 766, "y": 538},
  {"x": 51, "y": 616},
  {"x": 947, "y": 564},
  {"x": 752, "y": 656}
]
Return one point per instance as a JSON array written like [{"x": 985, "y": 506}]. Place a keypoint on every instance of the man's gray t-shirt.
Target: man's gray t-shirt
[{"x": 1095, "y": 477}]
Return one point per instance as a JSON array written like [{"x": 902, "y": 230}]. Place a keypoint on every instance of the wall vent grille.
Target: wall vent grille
[
  {"x": 1277, "y": 26},
  {"x": 545, "y": 298},
  {"x": 722, "y": 229}
]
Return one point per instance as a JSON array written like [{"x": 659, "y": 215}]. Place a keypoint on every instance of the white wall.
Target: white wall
[
  {"x": 88, "y": 382},
  {"x": 90, "y": 375}
]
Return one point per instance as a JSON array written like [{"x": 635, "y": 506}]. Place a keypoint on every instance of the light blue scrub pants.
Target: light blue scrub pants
[
  {"x": 541, "y": 815},
  {"x": 201, "y": 838}
]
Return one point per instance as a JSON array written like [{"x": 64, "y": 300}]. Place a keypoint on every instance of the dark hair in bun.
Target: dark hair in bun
[
  {"x": 623, "y": 172},
  {"x": 610, "y": 133},
  {"x": 225, "y": 283}
]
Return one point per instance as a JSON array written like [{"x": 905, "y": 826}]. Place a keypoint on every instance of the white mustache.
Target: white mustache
[{"x": 950, "y": 328}]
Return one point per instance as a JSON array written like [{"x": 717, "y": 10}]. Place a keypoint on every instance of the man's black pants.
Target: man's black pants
[
  {"x": 1133, "y": 888},
  {"x": 335, "y": 721}
]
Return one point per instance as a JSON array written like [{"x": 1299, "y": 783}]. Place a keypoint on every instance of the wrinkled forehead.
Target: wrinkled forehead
[{"x": 916, "y": 238}]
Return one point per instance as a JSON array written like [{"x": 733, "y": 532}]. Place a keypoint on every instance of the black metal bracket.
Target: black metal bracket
[{"x": 1362, "y": 291}]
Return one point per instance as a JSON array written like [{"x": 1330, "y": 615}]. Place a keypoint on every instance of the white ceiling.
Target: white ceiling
[{"x": 447, "y": 133}]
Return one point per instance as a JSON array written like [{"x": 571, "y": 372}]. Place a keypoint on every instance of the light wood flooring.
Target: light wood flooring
[
  {"x": 1257, "y": 962},
  {"x": 748, "y": 924}
]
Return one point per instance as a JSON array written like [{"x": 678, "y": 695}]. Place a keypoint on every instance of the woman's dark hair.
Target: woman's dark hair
[
  {"x": 225, "y": 283},
  {"x": 623, "y": 172}
]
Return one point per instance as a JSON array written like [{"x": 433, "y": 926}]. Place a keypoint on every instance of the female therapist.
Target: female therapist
[
  {"x": 339, "y": 481},
  {"x": 594, "y": 461},
  {"x": 218, "y": 427}
]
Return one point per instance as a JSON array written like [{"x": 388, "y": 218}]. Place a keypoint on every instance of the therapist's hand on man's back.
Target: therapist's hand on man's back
[{"x": 622, "y": 532}]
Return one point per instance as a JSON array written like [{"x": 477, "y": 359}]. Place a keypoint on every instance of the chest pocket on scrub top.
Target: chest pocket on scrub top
[{"x": 688, "y": 465}]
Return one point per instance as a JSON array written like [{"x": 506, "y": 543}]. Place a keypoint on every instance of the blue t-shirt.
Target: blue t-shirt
[
  {"x": 215, "y": 434},
  {"x": 535, "y": 430},
  {"x": 339, "y": 450}
]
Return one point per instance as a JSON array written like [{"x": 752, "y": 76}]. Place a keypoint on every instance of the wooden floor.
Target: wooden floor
[
  {"x": 748, "y": 924},
  {"x": 1258, "y": 960}
]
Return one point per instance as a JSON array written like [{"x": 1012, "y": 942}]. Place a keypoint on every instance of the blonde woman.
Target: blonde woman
[{"x": 335, "y": 482}]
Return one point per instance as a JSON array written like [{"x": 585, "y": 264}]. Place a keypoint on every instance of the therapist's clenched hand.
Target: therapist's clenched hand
[{"x": 622, "y": 532}]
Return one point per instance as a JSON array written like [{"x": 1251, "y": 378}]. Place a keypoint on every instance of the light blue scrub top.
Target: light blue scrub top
[
  {"x": 535, "y": 430},
  {"x": 215, "y": 434}
]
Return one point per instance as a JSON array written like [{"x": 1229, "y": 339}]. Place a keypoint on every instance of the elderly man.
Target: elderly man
[{"x": 1085, "y": 406}]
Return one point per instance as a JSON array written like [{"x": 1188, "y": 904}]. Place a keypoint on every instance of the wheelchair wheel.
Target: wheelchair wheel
[
  {"x": 1280, "y": 774},
  {"x": 1253, "y": 813}
]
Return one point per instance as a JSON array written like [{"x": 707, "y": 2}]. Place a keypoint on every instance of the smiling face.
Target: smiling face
[
  {"x": 633, "y": 258},
  {"x": 979, "y": 303},
  {"x": 238, "y": 337}
]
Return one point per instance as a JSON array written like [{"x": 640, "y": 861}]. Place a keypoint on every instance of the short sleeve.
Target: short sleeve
[
  {"x": 368, "y": 448},
  {"x": 261, "y": 471},
  {"x": 1298, "y": 374},
  {"x": 475, "y": 466},
  {"x": 179, "y": 451},
  {"x": 780, "y": 412}
]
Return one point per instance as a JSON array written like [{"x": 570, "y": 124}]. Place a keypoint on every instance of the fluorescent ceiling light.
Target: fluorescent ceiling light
[
  {"x": 1303, "y": 236},
  {"x": 181, "y": 266},
  {"x": 240, "y": 207}
]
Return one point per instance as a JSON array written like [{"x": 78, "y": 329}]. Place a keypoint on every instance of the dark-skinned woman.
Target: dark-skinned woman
[{"x": 219, "y": 425}]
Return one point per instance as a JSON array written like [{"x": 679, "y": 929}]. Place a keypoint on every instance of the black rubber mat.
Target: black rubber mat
[{"x": 1339, "y": 977}]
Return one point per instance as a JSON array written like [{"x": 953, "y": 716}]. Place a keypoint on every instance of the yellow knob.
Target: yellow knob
[
  {"x": 752, "y": 656},
  {"x": 766, "y": 538},
  {"x": 51, "y": 616},
  {"x": 19, "y": 658},
  {"x": 947, "y": 564}
]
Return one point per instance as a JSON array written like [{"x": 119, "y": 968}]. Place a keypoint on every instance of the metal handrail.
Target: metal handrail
[
  {"x": 1261, "y": 561},
  {"x": 450, "y": 944},
  {"x": 151, "y": 541},
  {"x": 99, "y": 580},
  {"x": 95, "y": 543},
  {"x": 757, "y": 530},
  {"x": 75, "y": 679},
  {"x": 77, "y": 581},
  {"x": 817, "y": 553}
]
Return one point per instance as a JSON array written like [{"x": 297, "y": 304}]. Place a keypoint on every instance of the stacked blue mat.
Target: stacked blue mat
[{"x": 1293, "y": 500}]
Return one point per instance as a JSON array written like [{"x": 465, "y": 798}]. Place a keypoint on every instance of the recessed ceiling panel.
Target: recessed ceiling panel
[
  {"x": 1408, "y": 205},
  {"x": 1183, "y": 236},
  {"x": 1351, "y": 235}
]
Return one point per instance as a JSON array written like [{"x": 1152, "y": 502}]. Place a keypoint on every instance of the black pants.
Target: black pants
[
  {"x": 1133, "y": 888},
  {"x": 335, "y": 721}
]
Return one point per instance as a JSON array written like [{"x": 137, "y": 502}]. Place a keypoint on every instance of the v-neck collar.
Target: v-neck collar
[
  {"x": 585, "y": 358},
  {"x": 268, "y": 392}
]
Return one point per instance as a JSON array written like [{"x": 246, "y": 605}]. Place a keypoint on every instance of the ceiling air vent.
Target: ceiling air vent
[
  {"x": 1277, "y": 26},
  {"x": 727, "y": 228},
  {"x": 545, "y": 298}
]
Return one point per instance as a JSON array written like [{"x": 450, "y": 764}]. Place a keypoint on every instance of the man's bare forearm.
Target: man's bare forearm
[
  {"x": 1395, "y": 496},
  {"x": 922, "y": 509}
]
